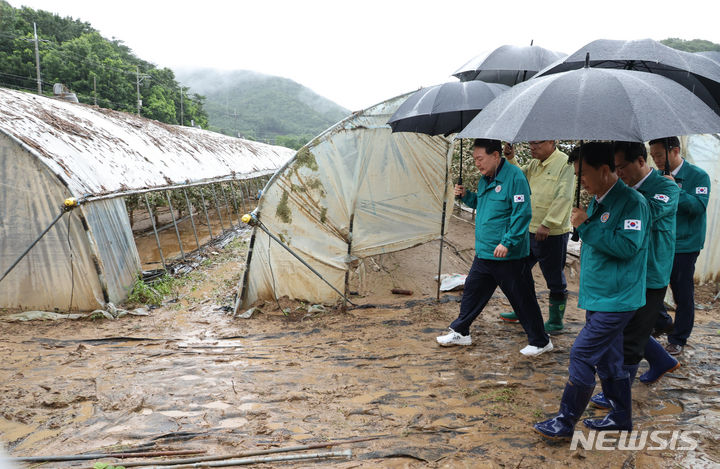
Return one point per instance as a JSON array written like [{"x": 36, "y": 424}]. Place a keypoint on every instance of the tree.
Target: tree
[
  {"x": 695, "y": 45},
  {"x": 72, "y": 52}
]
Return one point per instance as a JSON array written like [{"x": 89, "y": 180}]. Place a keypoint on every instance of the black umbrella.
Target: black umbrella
[
  {"x": 594, "y": 104},
  {"x": 698, "y": 73},
  {"x": 508, "y": 64},
  {"x": 444, "y": 109}
]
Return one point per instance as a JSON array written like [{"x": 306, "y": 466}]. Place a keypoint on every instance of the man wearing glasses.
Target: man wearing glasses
[{"x": 551, "y": 184}]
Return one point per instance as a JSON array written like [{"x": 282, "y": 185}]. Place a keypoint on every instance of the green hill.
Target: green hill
[
  {"x": 99, "y": 71},
  {"x": 261, "y": 107}
]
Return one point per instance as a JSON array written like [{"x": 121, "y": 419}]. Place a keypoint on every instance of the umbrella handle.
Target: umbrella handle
[
  {"x": 459, "y": 181},
  {"x": 575, "y": 235}
]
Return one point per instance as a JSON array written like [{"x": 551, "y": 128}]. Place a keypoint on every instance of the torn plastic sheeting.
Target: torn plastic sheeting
[
  {"x": 450, "y": 282},
  {"x": 111, "y": 313},
  {"x": 392, "y": 187}
]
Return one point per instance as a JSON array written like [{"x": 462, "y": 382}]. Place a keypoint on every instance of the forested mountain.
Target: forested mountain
[
  {"x": 694, "y": 45},
  {"x": 97, "y": 70},
  {"x": 262, "y": 107}
]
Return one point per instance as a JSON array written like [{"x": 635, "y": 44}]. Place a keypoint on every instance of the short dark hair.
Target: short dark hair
[
  {"x": 673, "y": 142},
  {"x": 595, "y": 154},
  {"x": 631, "y": 151},
  {"x": 489, "y": 145}
]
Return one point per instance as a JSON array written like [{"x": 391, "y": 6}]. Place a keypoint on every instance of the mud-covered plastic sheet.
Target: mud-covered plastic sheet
[{"x": 355, "y": 191}]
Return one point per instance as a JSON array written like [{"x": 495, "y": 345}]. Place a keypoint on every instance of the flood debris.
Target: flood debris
[
  {"x": 110, "y": 311},
  {"x": 188, "y": 376}
]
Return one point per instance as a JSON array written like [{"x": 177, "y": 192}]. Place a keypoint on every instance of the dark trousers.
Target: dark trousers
[
  {"x": 551, "y": 255},
  {"x": 683, "y": 290},
  {"x": 638, "y": 330},
  {"x": 599, "y": 346},
  {"x": 515, "y": 280}
]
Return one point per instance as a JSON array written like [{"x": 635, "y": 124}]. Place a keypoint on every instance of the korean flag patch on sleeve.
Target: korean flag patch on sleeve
[
  {"x": 701, "y": 190},
  {"x": 517, "y": 198},
  {"x": 632, "y": 225},
  {"x": 661, "y": 198}
]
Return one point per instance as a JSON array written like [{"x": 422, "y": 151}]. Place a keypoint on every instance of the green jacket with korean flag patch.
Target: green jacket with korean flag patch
[
  {"x": 662, "y": 195},
  {"x": 503, "y": 213},
  {"x": 613, "y": 260},
  {"x": 694, "y": 184}
]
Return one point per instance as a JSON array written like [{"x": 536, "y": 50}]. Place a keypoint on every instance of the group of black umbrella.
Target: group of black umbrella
[{"x": 632, "y": 91}]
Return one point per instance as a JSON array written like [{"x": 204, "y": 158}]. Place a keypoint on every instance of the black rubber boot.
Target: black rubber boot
[
  {"x": 574, "y": 400},
  {"x": 618, "y": 393}
]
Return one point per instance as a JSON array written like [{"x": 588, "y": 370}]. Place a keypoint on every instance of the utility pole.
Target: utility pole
[
  {"x": 182, "y": 110},
  {"x": 137, "y": 84},
  {"x": 94, "y": 91},
  {"x": 37, "y": 60}
]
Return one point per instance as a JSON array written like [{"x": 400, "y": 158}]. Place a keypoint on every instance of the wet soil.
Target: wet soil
[{"x": 190, "y": 376}]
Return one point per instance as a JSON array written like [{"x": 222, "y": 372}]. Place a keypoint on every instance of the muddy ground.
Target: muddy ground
[{"x": 190, "y": 376}]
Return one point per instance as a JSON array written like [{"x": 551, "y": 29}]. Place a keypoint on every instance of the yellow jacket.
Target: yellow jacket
[{"x": 551, "y": 184}]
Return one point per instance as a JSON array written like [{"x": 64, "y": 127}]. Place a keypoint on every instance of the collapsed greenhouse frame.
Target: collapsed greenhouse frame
[{"x": 52, "y": 150}]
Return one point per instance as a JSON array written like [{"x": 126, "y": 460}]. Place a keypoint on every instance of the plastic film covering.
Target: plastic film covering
[
  {"x": 30, "y": 198},
  {"x": 704, "y": 151},
  {"x": 113, "y": 238},
  {"x": 355, "y": 191},
  {"x": 99, "y": 151}
]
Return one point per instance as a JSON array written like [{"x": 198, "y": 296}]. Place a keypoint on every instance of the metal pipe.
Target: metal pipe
[
  {"x": 192, "y": 220},
  {"x": 207, "y": 218},
  {"x": 157, "y": 238},
  {"x": 87, "y": 457},
  {"x": 246, "y": 461},
  {"x": 242, "y": 197},
  {"x": 442, "y": 221},
  {"x": 92, "y": 198},
  {"x": 349, "y": 251},
  {"x": 177, "y": 231},
  {"x": 17, "y": 261},
  {"x": 247, "y": 194},
  {"x": 227, "y": 204},
  {"x": 217, "y": 208},
  {"x": 287, "y": 248},
  {"x": 246, "y": 274},
  {"x": 575, "y": 235},
  {"x": 235, "y": 204},
  {"x": 247, "y": 454}
]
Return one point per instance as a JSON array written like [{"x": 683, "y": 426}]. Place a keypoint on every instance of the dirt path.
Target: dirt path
[{"x": 189, "y": 376}]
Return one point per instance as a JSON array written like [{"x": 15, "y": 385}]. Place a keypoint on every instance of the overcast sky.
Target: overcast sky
[{"x": 362, "y": 52}]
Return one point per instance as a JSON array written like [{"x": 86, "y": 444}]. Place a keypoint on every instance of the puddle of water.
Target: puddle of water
[
  {"x": 668, "y": 408},
  {"x": 367, "y": 398},
  {"x": 12, "y": 431}
]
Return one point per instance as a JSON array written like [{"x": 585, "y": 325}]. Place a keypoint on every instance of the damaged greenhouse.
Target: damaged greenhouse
[{"x": 121, "y": 168}]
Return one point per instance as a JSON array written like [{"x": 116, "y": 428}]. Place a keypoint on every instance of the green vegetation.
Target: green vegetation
[
  {"x": 695, "y": 45},
  {"x": 262, "y": 107},
  {"x": 96, "y": 69},
  {"x": 103, "y": 465},
  {"x": 152, "y": 293}
]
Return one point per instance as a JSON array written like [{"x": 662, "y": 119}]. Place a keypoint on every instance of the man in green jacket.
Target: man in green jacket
[
  {"x": 694, "y": 184},
  {"x": 502, "y": 246},
  {"x": 613, "y": 267},
  {"x": 662, "y": 196},
  {"x": 551, "y": 182}
]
